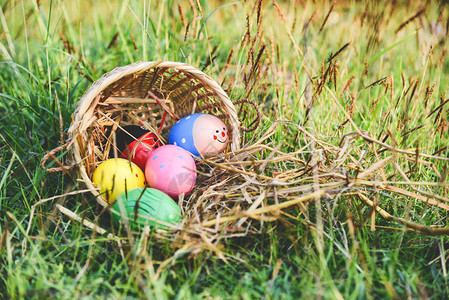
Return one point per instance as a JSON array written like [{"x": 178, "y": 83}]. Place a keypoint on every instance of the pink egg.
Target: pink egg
[{"x": 171, "y": 169}]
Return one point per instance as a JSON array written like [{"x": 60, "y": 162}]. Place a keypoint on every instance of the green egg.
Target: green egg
[{"x": 152, "y": 203}]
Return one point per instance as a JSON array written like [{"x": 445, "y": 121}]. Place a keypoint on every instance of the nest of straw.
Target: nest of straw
[
  {"x": 247, "y": 184},
  {"x": 151, "y": 94}
]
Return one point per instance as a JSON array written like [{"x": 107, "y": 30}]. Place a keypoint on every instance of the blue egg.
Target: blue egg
[
  {"x": 181, "y": 134},
  {"x": 200, "y": 134}
]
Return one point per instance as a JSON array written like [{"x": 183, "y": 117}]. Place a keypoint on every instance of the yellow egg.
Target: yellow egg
[{"x": 115, "y": 176}]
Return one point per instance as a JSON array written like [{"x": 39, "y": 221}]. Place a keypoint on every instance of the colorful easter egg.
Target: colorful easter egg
[
  {"x": 139, "y": 150},
  {"x": 171, "y": 169},
  {"x": 200, "y": 134},
  {"x": 146, "y": 206},
  {"x": 115, "y": 176},
  {"x": 125, "y": 137}
]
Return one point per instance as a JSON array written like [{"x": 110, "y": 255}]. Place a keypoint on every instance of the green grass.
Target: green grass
[{"x": 51, "y": 52}]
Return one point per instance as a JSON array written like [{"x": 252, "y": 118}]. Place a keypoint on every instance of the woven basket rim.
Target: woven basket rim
[{"x": 83, "y": 116}]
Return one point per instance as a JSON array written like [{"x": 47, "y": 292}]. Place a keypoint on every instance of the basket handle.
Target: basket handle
[
  {"x": 256, "y": 122},
  {"x": 51, "y": 155}
]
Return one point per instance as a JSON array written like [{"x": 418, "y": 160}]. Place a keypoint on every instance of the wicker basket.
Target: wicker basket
[{"x": 155, "y": 94}]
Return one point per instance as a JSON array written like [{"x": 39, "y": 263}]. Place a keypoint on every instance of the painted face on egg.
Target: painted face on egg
[
  {"x": 200, "y": 134},
  {"x": 210, "y": 134}
]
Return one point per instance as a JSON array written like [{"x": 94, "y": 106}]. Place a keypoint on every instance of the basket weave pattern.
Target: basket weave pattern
[{"x": 149, "y": 93}]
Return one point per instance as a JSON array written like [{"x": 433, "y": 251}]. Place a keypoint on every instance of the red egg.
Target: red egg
[{"x": 139, "y": 150}]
